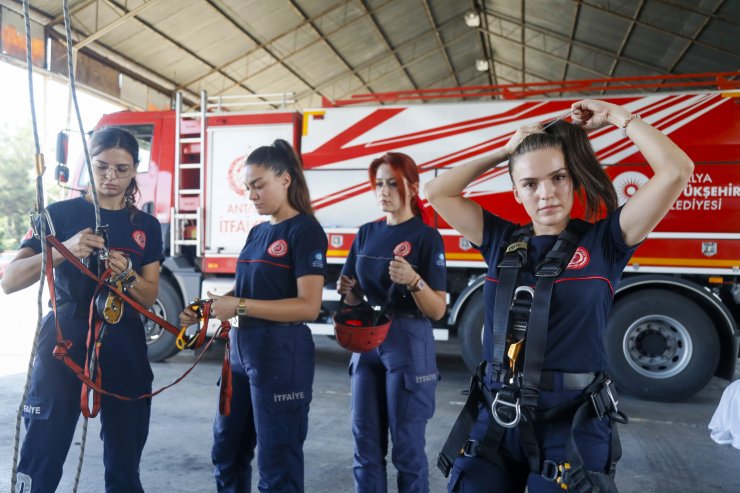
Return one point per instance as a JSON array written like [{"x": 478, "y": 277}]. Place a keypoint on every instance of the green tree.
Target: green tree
[{"x": 17, "y": 191}]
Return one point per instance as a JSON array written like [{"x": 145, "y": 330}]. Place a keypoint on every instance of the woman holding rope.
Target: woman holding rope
[
  {"x": 541, "y": 431},
  {"x": 279, "y": 279},
  {"x": 52, "y": 408},
  {"x": 393, "y": 385}
]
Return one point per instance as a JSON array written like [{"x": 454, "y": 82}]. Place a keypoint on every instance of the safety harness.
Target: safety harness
[
  {"x": 520, "y": 322},
  {"x": 91, "y": 374}
]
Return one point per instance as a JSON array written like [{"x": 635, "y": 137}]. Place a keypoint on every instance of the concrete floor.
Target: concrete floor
[{"x": 666, "y": 446}]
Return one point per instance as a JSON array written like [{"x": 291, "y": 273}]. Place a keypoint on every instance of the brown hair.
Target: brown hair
[
  {"x": 402, "y": 166},
  {"x": 590, "y": 182},
  {"x": 281, "y": 158},
  {"x": 119, "y": 138}
]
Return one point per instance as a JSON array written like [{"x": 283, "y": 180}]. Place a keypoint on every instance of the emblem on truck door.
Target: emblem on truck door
[{"x": 709, "y": 248}]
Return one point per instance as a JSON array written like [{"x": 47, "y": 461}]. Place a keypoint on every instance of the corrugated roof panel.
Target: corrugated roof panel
[
  {"x": 600, "y": 29},
  {"x": 653, "y": 47}
]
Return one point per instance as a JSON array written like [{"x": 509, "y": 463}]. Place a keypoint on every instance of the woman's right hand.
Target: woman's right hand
[
  {"x": 83, "y": 243},
  {"x": 520, "y": 134},
  {"x": 188, "y": 317},
  {"x": 346, "y": 285}
]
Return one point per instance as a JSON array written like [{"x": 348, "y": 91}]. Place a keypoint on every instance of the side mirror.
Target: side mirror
[
  {"x": 62, "y": 148},
  {"x": 61, "y": 173}
]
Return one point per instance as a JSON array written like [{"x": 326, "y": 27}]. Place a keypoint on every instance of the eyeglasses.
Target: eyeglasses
[{"x": 119, "y": 170}]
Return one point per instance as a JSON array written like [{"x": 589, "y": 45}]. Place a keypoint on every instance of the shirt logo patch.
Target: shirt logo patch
[
  {"x": 402, "y": 249},
  {"x": 580, "y": 259},
  {"x": 440, "y": 259},
  {"x": 29, "y": 234},
  {"x": 278, "y": 248},
  {"x": 317, "y": 259},
  {"x": 139, "y": 237}
]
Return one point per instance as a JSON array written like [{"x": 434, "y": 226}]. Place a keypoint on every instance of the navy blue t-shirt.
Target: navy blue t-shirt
[
  {"x": 276, "y": 255},
  {"x": 140, "y": 239},
  {"x": 375, "y": 246},
  {"x": 582, "y": 295}
]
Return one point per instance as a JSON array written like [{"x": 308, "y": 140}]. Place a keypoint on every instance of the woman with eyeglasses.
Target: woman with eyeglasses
[{"x": 52, "y": 407}]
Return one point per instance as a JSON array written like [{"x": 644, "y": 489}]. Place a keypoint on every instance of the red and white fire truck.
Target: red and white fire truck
[{"x": 674, "y": 324}]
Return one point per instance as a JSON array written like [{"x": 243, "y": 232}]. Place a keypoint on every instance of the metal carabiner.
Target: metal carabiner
[{"x": 500, "y": 402}]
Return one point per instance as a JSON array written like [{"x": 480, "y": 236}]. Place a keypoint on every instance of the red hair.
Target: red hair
[{"x": 404, "y": 170}]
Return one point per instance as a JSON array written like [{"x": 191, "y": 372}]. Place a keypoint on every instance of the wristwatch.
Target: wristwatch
[
  {"x": 241, "y": 308},
  {"x": 416, "y": 285}
]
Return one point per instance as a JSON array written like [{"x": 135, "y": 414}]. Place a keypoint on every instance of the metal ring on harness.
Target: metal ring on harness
[
  {"x": 526, "y": 289},
  {"x": 497, "y": 401}
]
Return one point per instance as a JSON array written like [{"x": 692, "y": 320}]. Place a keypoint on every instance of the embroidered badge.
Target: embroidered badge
[
  {"x": 580, "y": 259},
  {"x": 402, "y": 249},
  {"x": 440, "y": 259},
  {"x": 317, "y": 259},
  {"x": 139, "y": 237},
  {"x": 29, "y": 234},
  {"x": 278, "y": 248}
]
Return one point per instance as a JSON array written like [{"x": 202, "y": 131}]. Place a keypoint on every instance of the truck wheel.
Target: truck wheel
[
  {"x": 661, "y": 346},
  {"x": 160, "y": 343},
  {"x": 470, "y": 332}
]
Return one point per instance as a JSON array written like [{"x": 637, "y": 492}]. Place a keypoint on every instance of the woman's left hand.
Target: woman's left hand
[
  {"x": 223, "y": 307},
  {"x": 118, "y": 262},
  {"x": 401, "y": 271},
  {"x": 592, "y": 114}
]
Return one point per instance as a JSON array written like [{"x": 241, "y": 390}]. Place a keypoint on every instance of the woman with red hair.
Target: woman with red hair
[{"x": 401, "y": 258}]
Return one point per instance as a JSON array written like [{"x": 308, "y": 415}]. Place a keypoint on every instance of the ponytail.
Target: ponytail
[
  {"x": 281, "y": 158},
  {"x": 590, "y": 182}
]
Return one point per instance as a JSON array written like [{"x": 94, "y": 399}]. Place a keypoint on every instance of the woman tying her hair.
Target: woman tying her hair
[
  {"x": 393, "y": 385},
  {"x": 53, "y": 404},
  {"x": 279, "y": 280},
  {"x": 544, "y": 363}
]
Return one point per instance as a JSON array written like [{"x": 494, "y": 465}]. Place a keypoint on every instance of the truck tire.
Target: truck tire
[
  {"x": 160, "y": 343},
  {"x": 661, "y": 346},
  {"x": 470, "y": 331}
]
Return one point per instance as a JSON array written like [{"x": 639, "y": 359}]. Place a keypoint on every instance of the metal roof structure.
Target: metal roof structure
[{"x": 334, "y": 48}]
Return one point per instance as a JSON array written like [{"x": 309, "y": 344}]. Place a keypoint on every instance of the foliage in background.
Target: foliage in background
[{"x": 17, "y": 179}]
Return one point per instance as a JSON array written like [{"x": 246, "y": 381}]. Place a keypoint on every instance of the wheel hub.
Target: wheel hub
[{"x": 657, "y": 346}]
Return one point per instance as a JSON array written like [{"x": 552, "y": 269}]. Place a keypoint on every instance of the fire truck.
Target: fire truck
[{"x": 674, "y": 323}]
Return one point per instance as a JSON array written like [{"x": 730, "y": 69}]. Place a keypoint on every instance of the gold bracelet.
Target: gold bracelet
[{"x": 627, "y": 122}]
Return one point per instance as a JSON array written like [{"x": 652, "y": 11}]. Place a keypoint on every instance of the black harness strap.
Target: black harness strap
[{"x": 514, "y": 259}]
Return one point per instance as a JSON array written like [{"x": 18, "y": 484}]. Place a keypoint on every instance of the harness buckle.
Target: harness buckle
[
  {"x": 605, "y": 404},
  {"x": 35, "y": 217},
  {"x": 470, "y": 449},
  {"x": 506, "y": 408},
  {"x": 556, "y": 472}
]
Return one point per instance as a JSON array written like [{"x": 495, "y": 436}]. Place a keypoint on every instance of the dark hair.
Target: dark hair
[
  {"x": 112, "y": 138},
  {"x": 281, "y": 158},
  {"x": 402, "y": 166},
  {"x": 590, "y": 182}
]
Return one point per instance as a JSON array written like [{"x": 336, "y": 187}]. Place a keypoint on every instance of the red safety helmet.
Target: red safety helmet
[{"x": 360, "y": 328}]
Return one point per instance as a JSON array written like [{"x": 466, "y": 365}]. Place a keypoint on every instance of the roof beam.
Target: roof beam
[
  {"x": 113, "y": 25},
  {"x": 697, "y": 33},
  {"x": 438, "y": 37},
  {"x": 184, "y": 48},
  {"x": 485, "y": 41},
  {"x": 326, "y": 41},
  {"x": 626, "y": 38},
  {"x": 263, "y": 45},
  {"x": 379, "y": 58},
  {"x": 574, "y": 42},
  {"x": 660, "y": 29},
  {"x": 386, "y": 42},
  {"x": 77, "y": 8},
  {"x": 223, "y": 11},
  {"x": 548, "y": 54},
  {"x": 713, "y": 15},
  {"x": 571, "y": 35}
]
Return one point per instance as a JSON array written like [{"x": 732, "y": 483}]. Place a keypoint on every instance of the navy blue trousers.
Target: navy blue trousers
[
  {"x": 393, "y": 391},
  {"x": 476, "y": 475},
  {"x": 272, "y": 374},
  {"x": 52, "y": 408}
]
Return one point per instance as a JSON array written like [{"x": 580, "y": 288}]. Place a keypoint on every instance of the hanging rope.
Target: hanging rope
[
  {"x": 73, "y": 90},
  {"x": 39, "y": 167}
]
